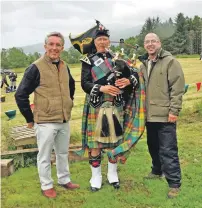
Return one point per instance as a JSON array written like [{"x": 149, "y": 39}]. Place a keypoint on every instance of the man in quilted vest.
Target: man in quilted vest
[{"x": 53, "y": 86}]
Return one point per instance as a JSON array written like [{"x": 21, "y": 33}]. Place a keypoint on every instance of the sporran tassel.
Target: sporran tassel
[
  {"x": 117, "y": 126},
  {"x": 105, "y": 126}
]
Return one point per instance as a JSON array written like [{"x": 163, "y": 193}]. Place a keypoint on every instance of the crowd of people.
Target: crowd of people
[{"x": 110, "y": 86}]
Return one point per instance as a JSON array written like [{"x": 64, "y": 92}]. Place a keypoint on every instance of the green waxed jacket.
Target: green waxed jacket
[{"x": 164, "y": 86}]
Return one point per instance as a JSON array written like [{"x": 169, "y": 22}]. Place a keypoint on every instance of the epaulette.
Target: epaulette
[{"x": 85, "y": 59}]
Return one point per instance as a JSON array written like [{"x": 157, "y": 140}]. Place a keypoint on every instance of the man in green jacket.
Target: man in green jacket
[{"x": 164, "y": 81}]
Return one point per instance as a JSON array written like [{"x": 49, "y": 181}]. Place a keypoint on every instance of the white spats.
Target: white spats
[
  {"x": 112, "y": 174},
  {"x": 96, "y": 179}
]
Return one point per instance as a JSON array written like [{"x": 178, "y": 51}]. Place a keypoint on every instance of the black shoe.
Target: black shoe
[
  {"x": 94, "y": 189},
  {"x": 154, "y": 176},
  {"x": 116, "y": 185}
]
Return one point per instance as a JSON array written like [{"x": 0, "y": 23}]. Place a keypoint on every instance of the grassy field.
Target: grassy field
[{"x": 22, "y": 189}]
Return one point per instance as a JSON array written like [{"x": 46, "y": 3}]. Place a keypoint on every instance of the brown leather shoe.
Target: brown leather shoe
[
  {"x": 70, "y": 186},
  {"x": 173, "y": 192},
  {"x": 50, "y": 193}
]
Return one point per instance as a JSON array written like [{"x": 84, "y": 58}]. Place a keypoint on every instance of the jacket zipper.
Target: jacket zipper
[
  {"x": 58, "y": 71},
  {"x": 147, "y": 94}
]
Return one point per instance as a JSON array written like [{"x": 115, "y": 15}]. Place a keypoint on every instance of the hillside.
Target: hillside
[{"x": 116, "y": 31}]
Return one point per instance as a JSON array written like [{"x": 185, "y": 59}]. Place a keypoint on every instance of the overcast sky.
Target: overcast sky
[{"x": 27, "y": 22}]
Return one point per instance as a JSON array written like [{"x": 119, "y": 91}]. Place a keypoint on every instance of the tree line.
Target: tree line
[
  {"x": 16, "y": 58},
  {"x": 181, "y": 35}
]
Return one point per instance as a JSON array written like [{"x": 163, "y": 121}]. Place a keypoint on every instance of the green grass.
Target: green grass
[
  {"x": 22, "y": 69},
  {"x": 187, "y": 56},
  {"x": 22, "y": 189},
  {"x": 19, "y": 70}
]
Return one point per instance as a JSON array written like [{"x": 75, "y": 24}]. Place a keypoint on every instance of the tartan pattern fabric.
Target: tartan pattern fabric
[
  {"x": 134, "y": 122},
  {"x": 108, "y": 63},
  {"x": 97, "y": 72}
]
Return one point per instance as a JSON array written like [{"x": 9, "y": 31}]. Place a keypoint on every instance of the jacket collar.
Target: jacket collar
[
  {"x": 48, "y": 59},
  {"x": 145, "y": 57}
]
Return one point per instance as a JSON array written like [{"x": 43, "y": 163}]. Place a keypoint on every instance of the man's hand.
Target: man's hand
[
  {"x": 30, "y": 125},
  {"x": 122, "y": 83},
  {"x": 109, "y": 89},
  {"x": 172, "y": 118}
]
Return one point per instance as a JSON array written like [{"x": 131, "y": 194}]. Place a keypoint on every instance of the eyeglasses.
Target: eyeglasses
[{"x": 150, "y": 41}]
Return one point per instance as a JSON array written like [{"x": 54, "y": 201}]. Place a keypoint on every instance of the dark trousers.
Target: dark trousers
[
  {"x": 4, "y": 82},
  {"x": 162, "y": 145}
]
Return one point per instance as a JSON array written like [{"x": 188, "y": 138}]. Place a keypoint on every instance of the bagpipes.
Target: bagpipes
[
  {"x": 84, "y": 43},
  {"x": 122, "y": 65},
  {"x": 121, "y": 68}
]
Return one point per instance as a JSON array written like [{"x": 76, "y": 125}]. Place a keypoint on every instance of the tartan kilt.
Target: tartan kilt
[{"x": 90, "y": 119}]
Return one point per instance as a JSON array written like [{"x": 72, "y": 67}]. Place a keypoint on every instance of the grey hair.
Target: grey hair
[{"x": 57, "y": 34}]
